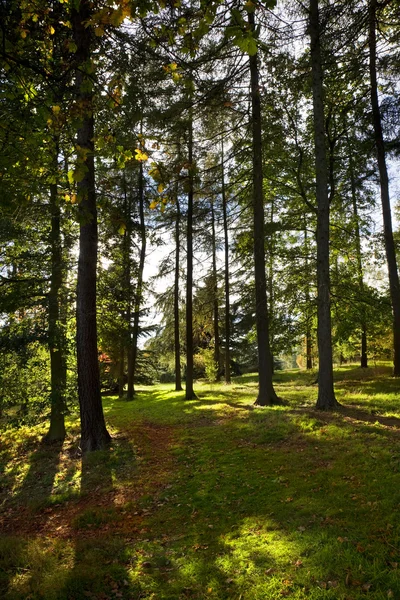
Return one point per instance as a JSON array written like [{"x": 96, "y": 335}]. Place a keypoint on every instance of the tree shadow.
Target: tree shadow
[{"x": 38, "y": 483}]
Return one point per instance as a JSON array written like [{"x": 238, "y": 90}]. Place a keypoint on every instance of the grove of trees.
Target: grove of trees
[{"x": 247, "y": 144}]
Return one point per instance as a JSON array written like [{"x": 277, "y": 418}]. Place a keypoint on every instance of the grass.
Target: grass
[{"x": 212, "y": 498}]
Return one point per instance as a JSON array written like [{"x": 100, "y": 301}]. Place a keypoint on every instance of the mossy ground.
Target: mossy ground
[{"x": 212, "y": 498}]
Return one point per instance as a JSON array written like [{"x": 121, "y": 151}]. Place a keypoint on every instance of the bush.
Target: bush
[{"x": 210, "y": 365}]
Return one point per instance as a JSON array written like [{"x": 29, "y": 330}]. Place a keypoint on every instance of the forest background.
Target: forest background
[{"x": 252, "y": 138}]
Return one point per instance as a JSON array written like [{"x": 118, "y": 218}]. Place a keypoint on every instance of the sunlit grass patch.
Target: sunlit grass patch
[{"x": 216, "y": 498}]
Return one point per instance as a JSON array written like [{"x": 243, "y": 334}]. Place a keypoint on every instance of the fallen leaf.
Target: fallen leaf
[
  {"x": 298, "y": 564},
  {"x": 333, "y": 584}
]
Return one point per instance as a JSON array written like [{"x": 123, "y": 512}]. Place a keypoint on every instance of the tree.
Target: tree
[
  {"x": 266, "y": 392},
  {"x": 394, "y": 284},
  {"x": 326, "y": 395},
  {"x": 94, "y": 434}
]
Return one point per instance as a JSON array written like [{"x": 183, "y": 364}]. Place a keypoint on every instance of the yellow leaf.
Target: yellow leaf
[
  {"x": 122, "y": 229},
  {"x": 153, "y": 204},
  {"x": 160, "y": 188},
  {"x": 67, "y": 198},
  {"x": 23, "y": 34},
  {"x": 56, "y": 109},
  {"x": 140, "y": 155},
  {"x": 52, "y": 30},
  {"x": 173, "y": 66},
  {"x": 73, "y": 198}
]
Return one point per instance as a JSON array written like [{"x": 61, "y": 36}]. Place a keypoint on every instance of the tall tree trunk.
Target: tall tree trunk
[
  {"x": 384, "y": 185},
  {"x": 215, "y": 292},
  {"x": 270, "y": 282},
  {"x": 326, "y": 395},
  {"x": 94, "y": 435},
  {"x": 360, "y": 270},
  {"x": 189, "y": 394},
  {"x": 55, "y": 330},
  {"x": 309, "y": 364},
  {"x": 177, "y": 344},
  {"x": 133, "y": 349},
  {"x": 226, "y": 254},
  {"x": 266, "y": 393}
]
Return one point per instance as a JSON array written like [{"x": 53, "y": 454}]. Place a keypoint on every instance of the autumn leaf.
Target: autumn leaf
[{"x": 140, "y": 155}]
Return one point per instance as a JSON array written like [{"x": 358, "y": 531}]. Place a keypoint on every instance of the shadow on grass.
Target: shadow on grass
[
  {"x": 266, "y": 504},
  {"x": 38, "y": 483}
]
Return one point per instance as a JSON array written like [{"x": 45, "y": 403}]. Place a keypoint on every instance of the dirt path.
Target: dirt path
[{"x": 155, "y": 466}]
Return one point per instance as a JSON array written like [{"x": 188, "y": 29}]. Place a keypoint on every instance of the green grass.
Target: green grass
[{"x": 212, "y": 498}]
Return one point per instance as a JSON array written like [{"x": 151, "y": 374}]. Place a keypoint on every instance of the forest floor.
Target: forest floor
[{"x": 211, "y": 498}]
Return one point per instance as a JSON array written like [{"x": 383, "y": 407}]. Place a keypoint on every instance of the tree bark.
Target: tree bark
[
  {"x": 270, "y": 284},
  {"x": 384, "y": 185},
  {"x": 215, "y": 293},
  {"x": 189, "y": 394},
  {"x": 266, "y": 393},
  {"x": 55, "y": 329},
  {"x": 94, "y": 434},
  {"x": 326, "y": 395},
  {"x": 177, "y": 344},
  {"x": 133, "y": 348},
  {"x": 226, "y": 255},
  {"x": 309, "y": 362}
]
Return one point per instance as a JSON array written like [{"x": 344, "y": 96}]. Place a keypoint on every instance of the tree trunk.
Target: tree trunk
[
  {"x": 309, "y": 362},
  {"x": 266, "y": 393},
  {"x": 189, "y": 395},
  {"x": 384, "y": 185},
  {"x": 55, "y": 331},
  {"x": 94, "y": 435},
  {"x": 326, "y": 395},
  {"x": 227, "y": 292},
  {"x": 139, "y": 293},
  {"x": 177, "y": 344},
  {"x": 270, "y": 284},
  {"x": 215, "y": 292},
  {"x": 360, "y": 271}
]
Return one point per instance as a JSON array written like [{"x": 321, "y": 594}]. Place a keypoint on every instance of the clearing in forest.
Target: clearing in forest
[{"x": 212, "y": 498}]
